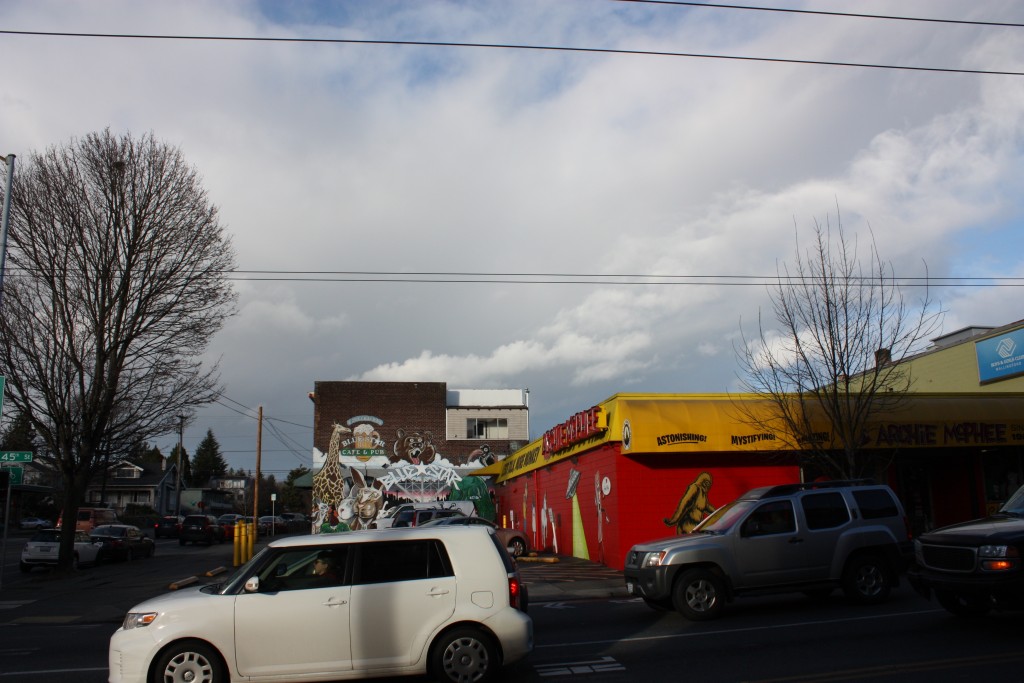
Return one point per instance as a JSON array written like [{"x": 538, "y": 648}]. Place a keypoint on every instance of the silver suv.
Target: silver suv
[{"x": 809, "y": 538}]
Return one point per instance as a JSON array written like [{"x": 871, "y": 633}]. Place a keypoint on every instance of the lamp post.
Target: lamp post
[{"x": 5, "y": 219}]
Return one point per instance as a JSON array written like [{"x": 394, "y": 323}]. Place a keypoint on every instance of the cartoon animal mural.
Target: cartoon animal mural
[
  {"x": 366, "y": 501},
  {"x": 338, "y": 505},
  {"x": 693, "y": 506},
  {"x": 414, "y": 447},
  {"x": 329, "y": 487}
]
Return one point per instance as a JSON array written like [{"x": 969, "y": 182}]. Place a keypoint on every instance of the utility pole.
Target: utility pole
[
  {"x": 256, "y": 484},
  {"x": 177, "y": 473}
]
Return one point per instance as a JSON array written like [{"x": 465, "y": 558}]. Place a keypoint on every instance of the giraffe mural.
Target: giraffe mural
[{"x": 329, "y": 482}]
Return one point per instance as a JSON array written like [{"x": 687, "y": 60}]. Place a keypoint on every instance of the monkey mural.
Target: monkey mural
[{"x": 693, "y": 506}]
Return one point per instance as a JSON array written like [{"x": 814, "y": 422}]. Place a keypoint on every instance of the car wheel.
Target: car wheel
[
  {"x": 518, "y": 546},
  {"x": 699, "y": 595},
  {"x": 963, "y": 605},
  {"x": 464, "y": 655},
  {"x": 189, "y": 661},
  {"x": 867, "y": 580}
]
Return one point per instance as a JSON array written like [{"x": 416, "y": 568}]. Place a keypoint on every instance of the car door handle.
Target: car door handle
[
  {"x": 437, "y": 592},
  {"x": 335, "y": 603}
]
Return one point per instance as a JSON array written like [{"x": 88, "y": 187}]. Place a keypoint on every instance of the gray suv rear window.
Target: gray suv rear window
[{"x": 875, "y": 503}]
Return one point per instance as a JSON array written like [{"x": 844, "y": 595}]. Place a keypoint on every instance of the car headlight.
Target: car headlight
[
  {"x": 138, "y": 620},
  {"x": 655, "y": 559},
  {"x": 998, "y": 558}
]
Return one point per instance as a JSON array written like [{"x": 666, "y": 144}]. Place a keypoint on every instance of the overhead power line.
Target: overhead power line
[
  {"x": 510, "y": 46},
  {"x": 845, "y": 15}
]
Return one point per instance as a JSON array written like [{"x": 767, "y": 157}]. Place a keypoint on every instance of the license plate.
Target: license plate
[{"x": 630, "y": 588}]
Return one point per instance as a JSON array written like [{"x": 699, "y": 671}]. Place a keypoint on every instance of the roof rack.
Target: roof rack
[{"x": 786, "y": 489}]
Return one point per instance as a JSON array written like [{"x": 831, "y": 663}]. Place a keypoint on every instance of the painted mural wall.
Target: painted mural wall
[
  {"x": 597, "y": 507},
  {"x": 363, "y": 475}
]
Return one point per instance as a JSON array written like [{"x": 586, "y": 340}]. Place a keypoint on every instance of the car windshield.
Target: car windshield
[
  {"x": 1014, "y": 506},
  {"x": 723, "y": 519},
  {"x": 108, "y": 531}
]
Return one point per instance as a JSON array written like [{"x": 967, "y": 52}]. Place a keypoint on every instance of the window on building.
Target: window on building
[
  {"x": 126, "y": 473},
  {"x": 487, "y": 428}
]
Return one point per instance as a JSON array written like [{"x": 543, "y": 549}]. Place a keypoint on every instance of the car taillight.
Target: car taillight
[{"x": 515, "y": 592}]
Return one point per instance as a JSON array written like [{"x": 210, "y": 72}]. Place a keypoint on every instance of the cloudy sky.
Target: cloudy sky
[{"x": 453, "y": 171}]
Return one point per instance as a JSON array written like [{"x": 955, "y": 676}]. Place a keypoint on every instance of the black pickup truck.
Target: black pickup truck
[{"x": 974, "y": 567}]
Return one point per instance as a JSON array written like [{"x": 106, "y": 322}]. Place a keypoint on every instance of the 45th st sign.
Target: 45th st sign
[{"x": 15, "y": 456}]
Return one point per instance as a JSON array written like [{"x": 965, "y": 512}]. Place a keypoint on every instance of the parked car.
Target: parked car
[
  {"x": 810, "y": 538},
  {"x": 297, "y": 522},
  {"x": 35, "y": 523},
  {"x": 414, "y": 514},
  {"x": 273, "y": 525},
  {"x": 973, "y": 567},
  {"x": 90, "y": 518},
  {"x": 513, "y": 539},
  {"x": 43, "y": 549},
  {"x": 462, "y": 613},
  {"x": 228, "y": 522},
  {"x": 122, "y": 542},
  {"x": 168, "y": 526},
  {"x": 201, "y": 529}
]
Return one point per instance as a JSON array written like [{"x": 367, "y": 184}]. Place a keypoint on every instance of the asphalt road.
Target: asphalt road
[{"x": 586, "y": 630}]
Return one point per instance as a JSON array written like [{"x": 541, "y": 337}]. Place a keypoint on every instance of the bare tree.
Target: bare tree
[
  {"x": 834, "y": 361},
  {"x": 117, "y": 282}
]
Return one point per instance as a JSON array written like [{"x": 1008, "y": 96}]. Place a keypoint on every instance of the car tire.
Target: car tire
[
  {"x": 518, "y": 546},
  {"x": 189, "y": 660},
  {"x": 464, "y": 655},
  {"x": 963, "y": 605},
  {"x": 867, "y": 580},
  {"x": 699, "y": 595}
]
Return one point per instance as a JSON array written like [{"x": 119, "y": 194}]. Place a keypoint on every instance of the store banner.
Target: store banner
[{"x": 1000, "y": 357}]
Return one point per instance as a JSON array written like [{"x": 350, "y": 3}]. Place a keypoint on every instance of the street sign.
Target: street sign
[
  {"x": 15, "y": 456},
  {"x": 17, "y": 474}
]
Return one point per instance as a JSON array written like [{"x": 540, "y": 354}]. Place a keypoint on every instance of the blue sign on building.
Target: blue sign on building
[{"x": 1001, "y": 357}]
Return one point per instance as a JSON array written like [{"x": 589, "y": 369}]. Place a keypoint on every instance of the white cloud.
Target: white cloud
[{"x": 411, "y": 159}]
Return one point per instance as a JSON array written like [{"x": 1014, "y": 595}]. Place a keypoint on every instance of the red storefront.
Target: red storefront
[{"x": 644, "y": 466}]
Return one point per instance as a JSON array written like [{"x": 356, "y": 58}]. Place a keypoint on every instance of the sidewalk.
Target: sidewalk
[{"x": 561, "y": 578}]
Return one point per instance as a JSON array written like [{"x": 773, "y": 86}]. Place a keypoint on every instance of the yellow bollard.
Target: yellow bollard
[
  {"x": 236, "y": 541},
  {"x": 252, "y": 540}
]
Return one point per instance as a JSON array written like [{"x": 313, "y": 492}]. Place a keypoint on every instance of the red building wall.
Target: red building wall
[{"x": 644, "y": 490}]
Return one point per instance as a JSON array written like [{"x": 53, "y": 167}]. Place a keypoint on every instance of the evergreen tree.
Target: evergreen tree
[
  {"x": 291, "y": 497},
  {"x": 208, "y": 462},
  {"x": 19, "y": 435}
]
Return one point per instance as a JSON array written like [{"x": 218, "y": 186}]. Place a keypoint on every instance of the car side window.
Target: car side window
[
  {"x": 875, "y": 503},
  {"x": 305, "y": 568},
  {"x": 771, "y": 518},
  {"x": 825, "y": 510},
  {"x": 391, "y": 561}
]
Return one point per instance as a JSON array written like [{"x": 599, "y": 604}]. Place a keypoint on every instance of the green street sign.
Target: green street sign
[
  {"x": 17, "y": 475},
  {"x": 15, "y": 456}
]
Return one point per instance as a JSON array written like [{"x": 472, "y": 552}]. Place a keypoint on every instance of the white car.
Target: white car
[
  {"x": 43, "y": 549},
  {"x": 448, "y": 601}
]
